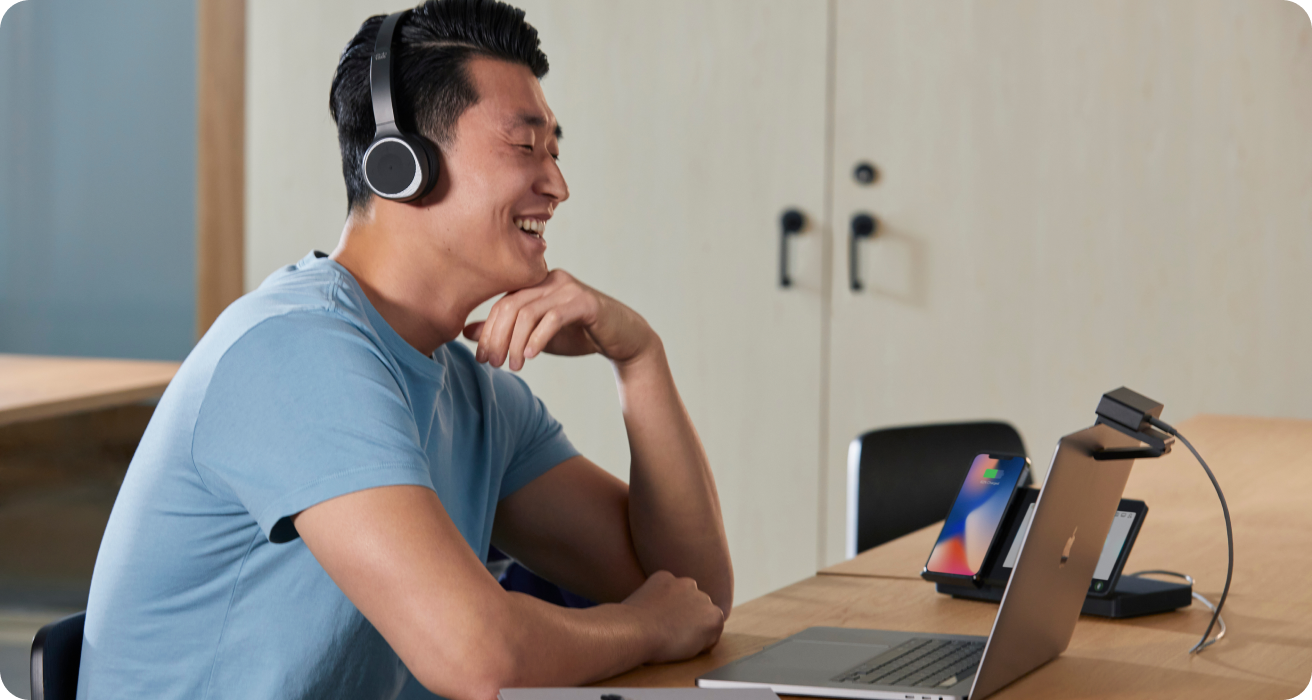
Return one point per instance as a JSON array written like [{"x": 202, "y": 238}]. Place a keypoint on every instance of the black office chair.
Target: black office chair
[
  {"x": 902, "y": 479},
  {"x": 56, "y": 656}
]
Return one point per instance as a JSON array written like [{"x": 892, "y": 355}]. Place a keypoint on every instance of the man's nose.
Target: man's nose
[{"x": 552, "y": 184}]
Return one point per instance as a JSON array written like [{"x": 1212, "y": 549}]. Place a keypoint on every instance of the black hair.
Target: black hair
[{"x": 431, "y": 86}]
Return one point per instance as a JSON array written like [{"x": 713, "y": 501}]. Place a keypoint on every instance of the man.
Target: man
[{"x": 308, "y": 513}]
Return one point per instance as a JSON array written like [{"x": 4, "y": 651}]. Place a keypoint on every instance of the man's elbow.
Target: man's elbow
[
  {"x": 723, "y": 596},
  {"x": 466, "y": 684},
  {"x": 724, "y": 604},
  {"x": 474, "y": 667}
]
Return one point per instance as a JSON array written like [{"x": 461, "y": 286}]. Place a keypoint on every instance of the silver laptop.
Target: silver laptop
[{"x": 1034, "y": 623}]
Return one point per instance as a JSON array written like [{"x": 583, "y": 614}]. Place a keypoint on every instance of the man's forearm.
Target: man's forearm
[
  {"x": 674, "y": 510},
  {"x": 540, "y": 644},
  {"x": 514, "y": 640}
]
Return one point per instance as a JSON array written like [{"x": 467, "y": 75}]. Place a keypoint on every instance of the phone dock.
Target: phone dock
[{"x": 1132, "y": 597}]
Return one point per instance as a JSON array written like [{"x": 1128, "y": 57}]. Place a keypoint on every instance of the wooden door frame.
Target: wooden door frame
[{"x": 220, "y": 156}]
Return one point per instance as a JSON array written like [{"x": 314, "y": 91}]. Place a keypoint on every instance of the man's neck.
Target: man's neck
[{"x": 409, "y": 286}]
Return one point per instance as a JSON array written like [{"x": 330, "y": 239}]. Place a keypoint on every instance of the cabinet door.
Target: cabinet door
[
  {"x": 689, "y": 127},
  {"x": 1072, "y": 196}
]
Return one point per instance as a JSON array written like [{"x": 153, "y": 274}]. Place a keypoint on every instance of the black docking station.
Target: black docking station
[{"x": 1132, "y": 597}]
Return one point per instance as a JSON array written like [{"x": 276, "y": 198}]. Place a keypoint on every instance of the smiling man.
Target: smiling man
[{"x": 309, "y": 511}]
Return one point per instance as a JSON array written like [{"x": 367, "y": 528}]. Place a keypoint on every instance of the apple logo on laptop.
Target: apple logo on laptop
[{"x": 1066, "y": 553}]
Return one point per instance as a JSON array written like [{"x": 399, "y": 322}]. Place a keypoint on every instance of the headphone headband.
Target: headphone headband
[{"x": 380, "y": 77}]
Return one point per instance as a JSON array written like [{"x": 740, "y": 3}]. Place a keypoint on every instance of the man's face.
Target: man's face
[{"x": 500, "y": 177}]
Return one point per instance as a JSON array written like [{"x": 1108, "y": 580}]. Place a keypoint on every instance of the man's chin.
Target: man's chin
[
  {"x": 528, "y": 279},
  {"x": 541, "y": 275}
]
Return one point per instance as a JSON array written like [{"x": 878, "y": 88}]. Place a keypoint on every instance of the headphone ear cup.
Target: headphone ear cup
[
  {"x": 429, "y": 151},
  {"x": 400, "y": 167}
]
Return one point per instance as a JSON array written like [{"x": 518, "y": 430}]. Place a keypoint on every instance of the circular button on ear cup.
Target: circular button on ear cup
[{"x": 396, "y": 169}]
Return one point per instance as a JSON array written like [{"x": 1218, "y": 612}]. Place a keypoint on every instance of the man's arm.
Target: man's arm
[
  {"x": 398, "y": 557},
  {"x": 671, "y": 507},
  {"x": 674, "y": 509},
  {"x": 571, "y": 526}
]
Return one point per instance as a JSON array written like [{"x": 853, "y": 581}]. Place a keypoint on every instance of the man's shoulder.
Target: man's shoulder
[
  {"x": 314, "y": 286},
  {"x": 300, "y": 314},
  {"x": 313, "y": 295}
]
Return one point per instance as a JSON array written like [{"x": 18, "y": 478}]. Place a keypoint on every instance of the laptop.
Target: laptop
[{"x": 1034, "y": 623}]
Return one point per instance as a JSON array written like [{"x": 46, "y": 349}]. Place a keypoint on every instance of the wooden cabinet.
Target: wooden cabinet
[
  {"x": 1070, "y": 196},
  {"x": 1074, "y": 196}
]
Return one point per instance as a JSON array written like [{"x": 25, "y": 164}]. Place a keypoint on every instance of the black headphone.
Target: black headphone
[{"x": 398, "y": 166}]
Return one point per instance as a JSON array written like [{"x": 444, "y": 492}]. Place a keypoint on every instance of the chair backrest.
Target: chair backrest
[
  {"x": 56, "y": 656},
  {"x": 902, "y": 479}
]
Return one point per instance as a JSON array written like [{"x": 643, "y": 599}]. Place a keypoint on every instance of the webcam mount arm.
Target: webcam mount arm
[{"x": 1139, "y": 417}]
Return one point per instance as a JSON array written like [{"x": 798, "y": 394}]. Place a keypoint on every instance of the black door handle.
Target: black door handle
[
  {"x": 791, "y": 223},
  {"x": 863, "y": 226}
]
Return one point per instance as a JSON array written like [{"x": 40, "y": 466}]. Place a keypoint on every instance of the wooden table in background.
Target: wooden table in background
[
  {"x": 1264, "y": 467},
  {"x": 34, "y": 387}
]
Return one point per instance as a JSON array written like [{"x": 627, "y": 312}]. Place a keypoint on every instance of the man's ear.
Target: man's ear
[{"x": 474, "y": 330}]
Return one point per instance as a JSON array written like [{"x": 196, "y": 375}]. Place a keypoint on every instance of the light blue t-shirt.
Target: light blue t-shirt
[{"x": 299, "y": 393}]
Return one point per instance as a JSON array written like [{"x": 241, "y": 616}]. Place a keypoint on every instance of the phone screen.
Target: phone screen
[{"x": 970, "y": 526}]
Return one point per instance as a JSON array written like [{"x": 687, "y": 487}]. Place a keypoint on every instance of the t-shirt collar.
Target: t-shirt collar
[{"x": 395, "y": 343}]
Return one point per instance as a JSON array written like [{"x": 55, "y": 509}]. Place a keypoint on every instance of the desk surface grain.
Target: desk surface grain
[
  {"x": 1265, "y": 468},
  {"x": 34, "y": 387}
]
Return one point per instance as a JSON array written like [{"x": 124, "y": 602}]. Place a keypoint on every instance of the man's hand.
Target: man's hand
[
  {"x": 688, "y": 622},
  {"x": 562, "y": 316}
]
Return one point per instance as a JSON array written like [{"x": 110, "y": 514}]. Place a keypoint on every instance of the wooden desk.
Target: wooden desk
[
  {"x": 1265, "y": 468},
  {"x": 68, "y": 428},
  {"x": 34, "y": 387}
]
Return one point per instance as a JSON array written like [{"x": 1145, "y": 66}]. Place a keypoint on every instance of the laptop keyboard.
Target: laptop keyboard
[{"x": 921, "y": 662}]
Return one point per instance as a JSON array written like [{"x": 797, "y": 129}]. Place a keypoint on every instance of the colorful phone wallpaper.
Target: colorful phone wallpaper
[{"x": 969, "y": 528}]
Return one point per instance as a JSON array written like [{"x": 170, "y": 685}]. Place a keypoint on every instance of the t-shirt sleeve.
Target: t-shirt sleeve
[
  {"x": 301, "y": 409},
  {"x": 538, "y": 442}
]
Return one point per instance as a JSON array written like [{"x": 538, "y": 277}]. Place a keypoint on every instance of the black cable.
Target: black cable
[{"x": 1229, "y": 534}]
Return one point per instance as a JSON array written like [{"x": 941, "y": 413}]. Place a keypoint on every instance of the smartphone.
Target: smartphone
[{"x": 959, "y": 556}]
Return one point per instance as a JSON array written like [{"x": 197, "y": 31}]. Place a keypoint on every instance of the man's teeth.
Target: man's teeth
[{"x": 532, "y": 226}]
